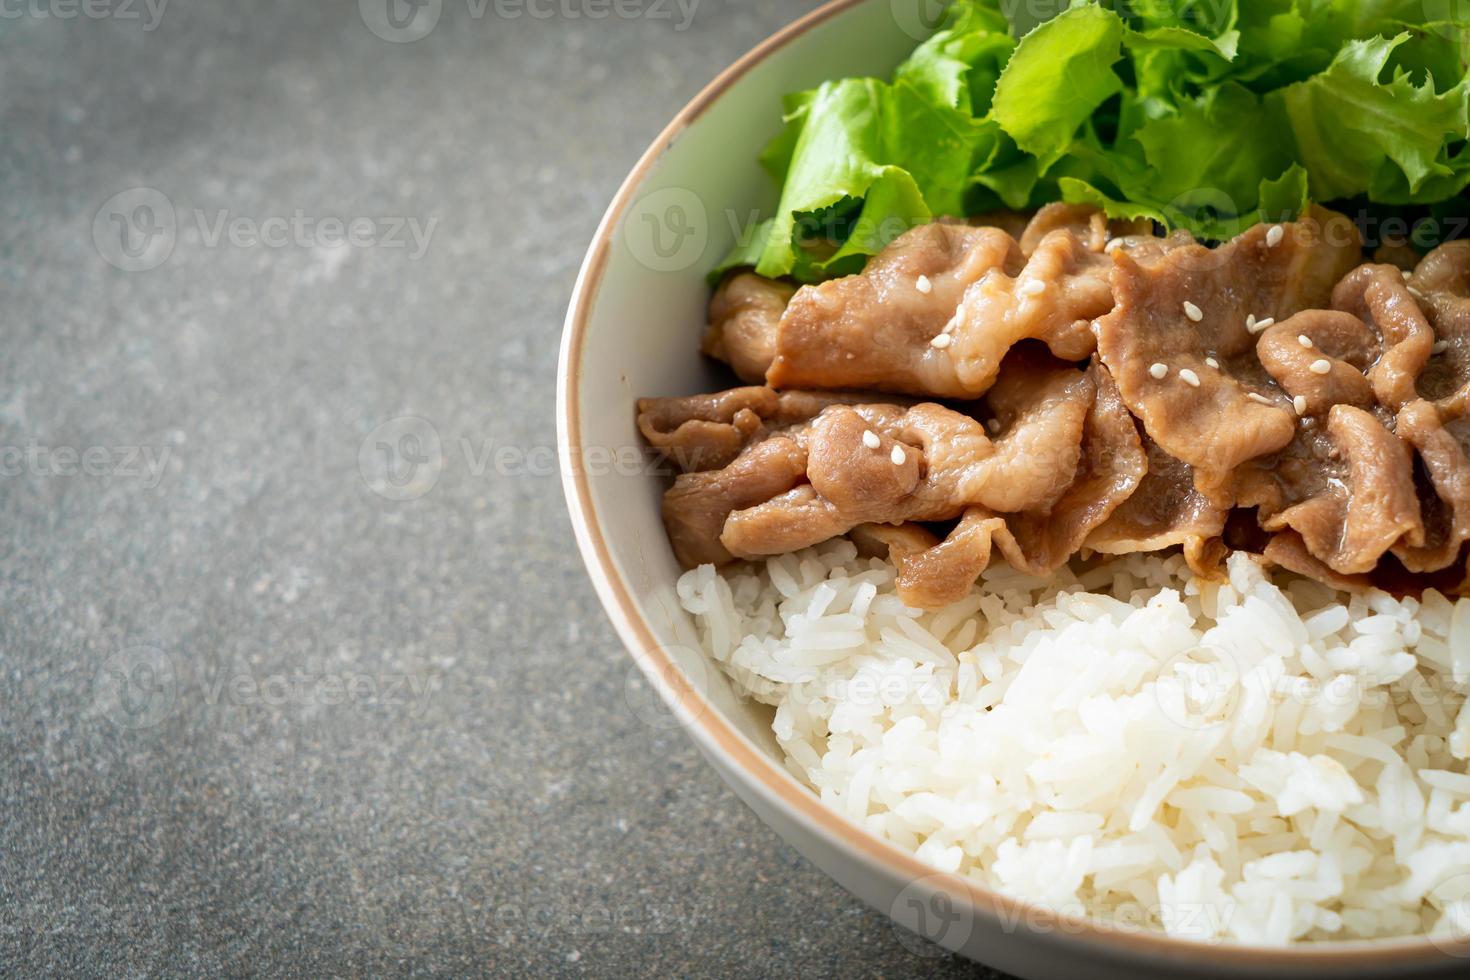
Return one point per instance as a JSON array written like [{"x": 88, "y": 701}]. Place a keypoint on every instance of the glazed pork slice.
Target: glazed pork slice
[
  {"x": 743, "y": 317},
  {"x": 1043, "y": 536},
  {"x": 889, "y": 330},
  {"x": 1181, "y": 340},
  {"x": 1441, "y": 283},
  {"x": 874, "y": 330},
  {"x": 1089, "y": 225},
  {"x": 703, "y": 432},
  {"x": 1059, "y": 454},
  {"x": 1111, "y": 466},
  {"x": 1378, "y": 296},
  {"x": 1321, "y": 357},
  {"x": 1276, "y": 393},
  {"x": 1287, "y": 550},
  {"x": 1167, "y": 510},
  {"x": 935, "y": 312},
  {"x": 696, "y": 507},
  {"x": 884, "y": 316},
  {"x": 928, "y": 463},
  {"x": 945, "y": 573},
  {"x": 1345, "y": 484},
  {"x": 1441, "y": 441},
  {"x": 888, "y": 463}
]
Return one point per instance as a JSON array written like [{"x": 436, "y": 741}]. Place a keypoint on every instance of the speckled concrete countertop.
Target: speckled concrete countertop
[{"x": 256, "y": 717}]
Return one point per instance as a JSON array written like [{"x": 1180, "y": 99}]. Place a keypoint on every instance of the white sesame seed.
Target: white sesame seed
[
  {"x": 1250, "y": 322},
  {"x": 1256, "y": 396},
  {"x": 993, "y": 425},
  {"x": 1213, "y": 363},
  {"x": 1440, "y": 346},
  {"x": 1112, "y": 244},
  {"x": 1193, "y": 312},
  {"x": 1158, "y": 370},
  {"x": 1405, "y": 273},
  {"x": 1415, "y": 293},
  {"x": 1304, "y": 340},
  {"x": 1263, "y": 324},
  {"x": 870, "y": 439},
  {"x": 923, "y": 285},
  {"x": 1033, "y": 287},
  {"x": 1300, "y": 404},
  {"x": 956, "y": 321},
  {"x": 1274, "y": 234},
  {"x": 1189, "y": 377},
  {"x": 941, "y": 341},
  {"x": 1321, "y": 366},
  {"x": 897, "y": 456}
]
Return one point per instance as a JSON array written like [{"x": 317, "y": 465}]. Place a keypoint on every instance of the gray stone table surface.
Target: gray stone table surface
[{"x": 256, "y": 717}]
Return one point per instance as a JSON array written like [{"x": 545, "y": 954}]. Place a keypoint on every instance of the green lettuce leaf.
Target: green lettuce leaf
[
  {"x": 1207, "y": 115},
  {"x": 1211, "y": 147},
  {"x": 1353, "y": 128},
  {"x": 861, "y": 160},
  {"x": 958, "y": 66},
  {"x": 1059, "y": 74}
]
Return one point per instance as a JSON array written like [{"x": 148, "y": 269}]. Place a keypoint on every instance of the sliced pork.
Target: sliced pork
[
  {"x": 1345, "y": 484},
  {"x": 1167, "y": 510},
  {"x": 1379, "y": 297},
  {"x": 1441, "y": 442},
  {"x": 1441, "y": 284},
  {"x": 743, "y": 317},
  {"x": 1090, "y": 388},
  {"x": 702, "y": 432},
  {"x": 874, "y": 330}
]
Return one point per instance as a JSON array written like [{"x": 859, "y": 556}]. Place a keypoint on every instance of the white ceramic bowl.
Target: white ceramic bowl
[{"x": 633, "y": 330}]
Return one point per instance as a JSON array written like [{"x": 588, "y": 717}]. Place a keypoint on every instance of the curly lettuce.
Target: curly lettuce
[{"x": 1206, "y": 115}]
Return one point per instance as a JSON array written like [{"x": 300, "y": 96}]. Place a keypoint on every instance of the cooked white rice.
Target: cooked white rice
[{"x": 1218, "y": 761}]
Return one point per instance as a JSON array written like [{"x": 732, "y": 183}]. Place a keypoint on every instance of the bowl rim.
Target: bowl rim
[{"x": 715, "y": 735}]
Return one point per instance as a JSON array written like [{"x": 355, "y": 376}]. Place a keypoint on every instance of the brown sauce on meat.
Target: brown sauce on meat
[{"x": 1050, "y": 391}]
